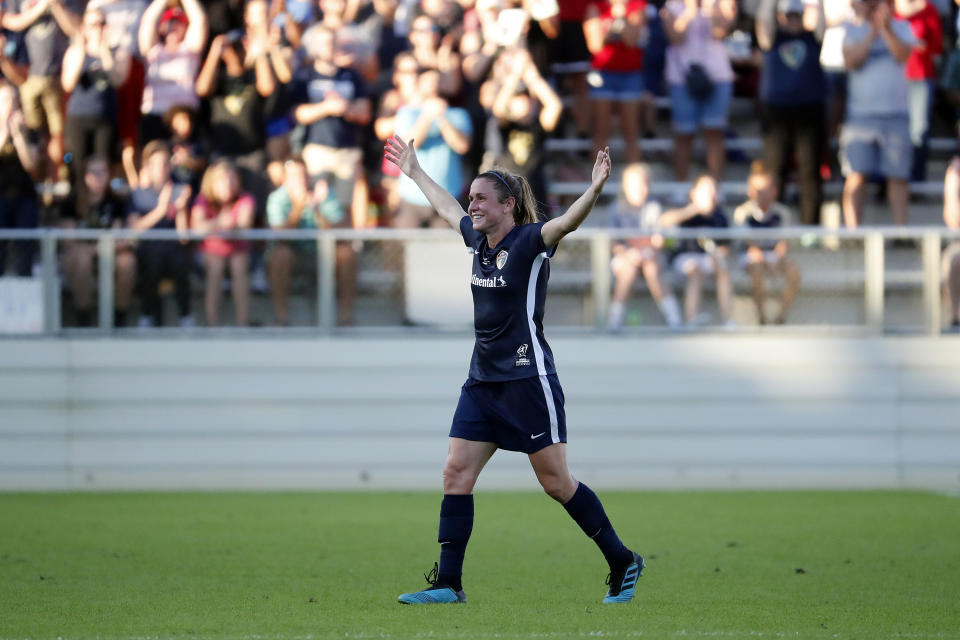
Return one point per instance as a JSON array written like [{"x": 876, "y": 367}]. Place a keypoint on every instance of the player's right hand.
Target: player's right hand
[{"x": 401, "y": 154}]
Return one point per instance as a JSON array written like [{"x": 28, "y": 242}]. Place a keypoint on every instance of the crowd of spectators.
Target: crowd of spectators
[{"x": 232, "y": 114}]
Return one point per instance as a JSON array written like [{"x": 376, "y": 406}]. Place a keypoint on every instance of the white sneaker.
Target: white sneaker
[
  {"x": 187, "y": 322},
  {"x": 145, "y": 322}
]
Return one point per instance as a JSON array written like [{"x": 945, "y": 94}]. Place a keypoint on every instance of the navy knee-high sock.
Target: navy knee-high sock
[
  {"x": 456, "y": 523},
  {"x": 585, "y": 508}
]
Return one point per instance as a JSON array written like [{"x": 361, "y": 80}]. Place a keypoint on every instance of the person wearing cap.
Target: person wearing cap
[
  {"x": 876, "y": 136},
  {"x": 792, "y": 95},
  {"x": 171, "y": 42}
]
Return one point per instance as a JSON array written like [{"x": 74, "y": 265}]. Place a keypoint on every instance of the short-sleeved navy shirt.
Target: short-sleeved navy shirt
[
  {"x": 311, "y": 86},
  {"x": 509, "y": 284}
]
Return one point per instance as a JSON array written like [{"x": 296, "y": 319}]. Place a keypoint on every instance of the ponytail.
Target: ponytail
[{"x": 508, "y": 185}]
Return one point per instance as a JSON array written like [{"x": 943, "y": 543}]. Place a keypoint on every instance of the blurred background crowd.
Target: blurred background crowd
[{"x": 271, "y": 114}]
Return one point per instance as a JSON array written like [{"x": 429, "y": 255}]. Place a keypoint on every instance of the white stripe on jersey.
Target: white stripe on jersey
[{"x": 538, "y": 348}]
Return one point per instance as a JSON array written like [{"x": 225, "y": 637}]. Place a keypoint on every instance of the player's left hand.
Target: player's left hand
[{"x": 601, "y": 168}]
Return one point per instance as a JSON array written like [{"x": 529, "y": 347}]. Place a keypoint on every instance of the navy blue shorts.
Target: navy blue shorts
[{"x": 518, "y": 415}]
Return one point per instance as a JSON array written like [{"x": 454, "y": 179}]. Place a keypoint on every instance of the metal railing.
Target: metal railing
[{"x": 599, "y": 279}]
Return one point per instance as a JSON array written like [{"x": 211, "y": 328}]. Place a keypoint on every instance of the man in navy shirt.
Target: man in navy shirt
[{"x": 512, "y": 399}]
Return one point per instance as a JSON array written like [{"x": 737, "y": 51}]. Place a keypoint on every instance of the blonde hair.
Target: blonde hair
[{"x": 212, "y": 175}]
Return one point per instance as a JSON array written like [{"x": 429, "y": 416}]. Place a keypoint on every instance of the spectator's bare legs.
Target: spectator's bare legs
[
  {"x": 853, "y": 193},
  {"x": 790, "y": 287},
  {"x": 898, "y": 197},
  {"x": 279, "y": 269},
  {"x": 624, "y": 274},
  {"x": 648, "y": 114},
  {"x": 758, "y": 274},
  {"x": 651, "y": 273},
  {"x": 78, "y": 263},
  {"x": 724, "y": 289},
  {"x": 602, "y": 114},
  {"x": 240, "y": 279},
  {"x": 214, "y": 281},
  {"x": 716, "y": 143},
  {"x": 346, "y": 282},
  {"x": 682, "y": 145},
  {"x": 579, "y": 89},
  {"x": 630, "y": 126},
  {"x": 125, "y": 277},
  {"x": 691, "y": 300},
  {"x": 952, "y": 287}
]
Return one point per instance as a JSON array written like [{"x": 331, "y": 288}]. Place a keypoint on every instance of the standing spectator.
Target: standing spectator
[
  {"x": 837, "y": 13},
  {"x": 613, "y": 29},
  {"x": 295, "y": 206},
  {"x": 654, "y": 61},
  {"x": 876, "y": 135},
  {"x": 695, "y": 258},
  {"x": 634, "y": 211},
  {"x": 700, "y": 77},
  {"x": 921, "y": 73},
  {"x": 526, "y": 110},
  {"x": 441, "y": 134},
  {"x": 91, "y": 74},
  {"x": 47, "y": 26},
  {"x": 223, "y": 206},
  {"x": 792, "y": 93},
  {"x": 570, "y": 62},
  {"x": 18, "y": 165},
  {"x": 765, "y": 258},
  {"x": 171, "y": 42},
  {"x": 404, "y": 91},
  {"x": 97, "y": 207},
  {"x": 123, "y": 22},
  {"x": 951, "y": 257},
  {"x": 333, "y": 105},
  {"x": 434, "y": 51},
  {"x": 160, "y": 204}
]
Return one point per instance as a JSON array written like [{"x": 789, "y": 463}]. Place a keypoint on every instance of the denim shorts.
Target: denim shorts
[
  {"x": 689, "y": 115},
  {"x": 877, "y": 146},
  {"x": 619, "y": 86}
]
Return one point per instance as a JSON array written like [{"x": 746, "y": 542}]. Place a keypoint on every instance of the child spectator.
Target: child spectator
[
  {"x": 295, "y": 206},
  {"x": 921, "y": 73},
  {"x": 700, "y": 78},
  {"x": 19, "y": 159},
  {"x": 96, "y": 206},
  {"x": 695, "y": 258},
  {"x": 951, "y": 257},
  {"x": 766, "y": 257},
  {"x": 90, "y": 75},
  {"x": 171, "y": 42},
  {"x": 223, "y": 206},
  {"x": 188, "y": 153},
  {"x": 634, "y": 211},
  {"x": 160, "y": 204},
  {"x": 614, "y": 30},
  {"x": 793, "y": 94},
  {"x": 876, "y": 134}
]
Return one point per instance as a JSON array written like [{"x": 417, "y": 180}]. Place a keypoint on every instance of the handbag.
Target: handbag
[{"x": 698, "y": 82}]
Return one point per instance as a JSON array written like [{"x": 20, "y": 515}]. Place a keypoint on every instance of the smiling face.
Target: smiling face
[{"x": 487, "y": 213}]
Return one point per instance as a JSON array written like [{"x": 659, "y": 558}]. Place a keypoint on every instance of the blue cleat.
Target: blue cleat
[
  {"x": 436, "y": 594},
  {"x": 623, "y": 581}
]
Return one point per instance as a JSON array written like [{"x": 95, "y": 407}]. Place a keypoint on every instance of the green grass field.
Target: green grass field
[{"x": 330, "y": 565}]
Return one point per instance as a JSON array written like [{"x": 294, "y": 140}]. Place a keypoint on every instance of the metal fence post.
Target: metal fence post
[
  {"x": 51, "y": 284},
  {"x": 600, "y": 279},
  {"x": 326, "y": 280},
  {"x": 106, "y": 251},
  {"x": 873, "y": 280},
  {"x": 931, "y": 282}
]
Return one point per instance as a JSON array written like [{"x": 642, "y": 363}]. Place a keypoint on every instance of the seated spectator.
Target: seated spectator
[
  {"x": 295, "y": 206},
  {"x": 161, "y": 204},
  {"x": 876, "y": 135},
  {"x": 695, "y": 258},
  {"x": 19, "y": 159},
  {"x": 333, "y": 105},
  {"x": 921, "y": 72},
  {"x": 613, "y": 29},
  {"x": 90, "y": 75},
  {"x": 951, "y": 257},
  {"x": 171, "y": 42},
  {"x": 792, "y": 95},
  {"x": 440, "y": 134},
  {"x": 700, "y": 78},
  {"x": 47, "y": 26},
  {"x": 526, "y": 110},
  {"x": 765, "y": 258},
  {"x": 634, "y": 211},
  {"x": 96, "y": 206},
  {"x": 223, "y": 205}
]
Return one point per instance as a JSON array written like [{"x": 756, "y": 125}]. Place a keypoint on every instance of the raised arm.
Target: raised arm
[
  {"x": 951, "y": 195},
  {"x": 147, "y": 35},
  {"x": 766, "y": 24},
  {"x": 555, "y": 230},
  {"x": 196, "y": 36},
  {"x": 20, "y": 21},
  {"x": 404, "y": 156}
]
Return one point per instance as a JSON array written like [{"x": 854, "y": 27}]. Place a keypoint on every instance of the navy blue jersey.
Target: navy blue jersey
[{"x": 509, "y": 284}]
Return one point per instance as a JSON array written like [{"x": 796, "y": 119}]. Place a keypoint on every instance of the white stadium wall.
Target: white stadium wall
[{"x": 720, "y": 411}]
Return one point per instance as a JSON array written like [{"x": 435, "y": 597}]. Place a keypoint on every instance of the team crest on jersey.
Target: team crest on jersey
[
  {"x": 502, "y": 258},
  {"x": 522, "y": 359}
]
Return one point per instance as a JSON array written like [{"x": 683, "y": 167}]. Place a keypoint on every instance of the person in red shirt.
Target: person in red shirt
[{"x": 925, "y": 23}]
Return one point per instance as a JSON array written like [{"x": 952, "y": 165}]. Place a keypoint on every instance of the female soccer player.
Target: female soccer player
[{"x": 512, "y": 399}]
